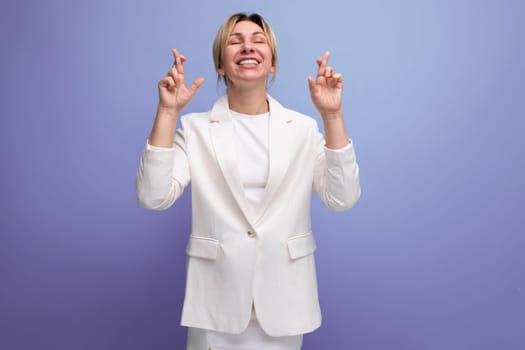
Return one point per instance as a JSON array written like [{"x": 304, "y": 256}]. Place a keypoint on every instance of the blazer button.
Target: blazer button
[{"x": 251, "y": 234}]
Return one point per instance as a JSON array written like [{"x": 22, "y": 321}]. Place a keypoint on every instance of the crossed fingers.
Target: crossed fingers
[
  {"x": 178, "y": 60},
  {"x": 326, "y": 71},
  {"x": 175, "y": 76}
]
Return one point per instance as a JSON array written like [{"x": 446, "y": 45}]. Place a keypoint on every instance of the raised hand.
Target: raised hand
[
  {"x": 173, "y": 93},
  {"x": 326, "y": 90},
  {"x": 173, "y": 97}
]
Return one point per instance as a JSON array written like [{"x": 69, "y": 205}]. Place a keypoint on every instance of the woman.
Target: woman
[{"x": 252, "y": 163}]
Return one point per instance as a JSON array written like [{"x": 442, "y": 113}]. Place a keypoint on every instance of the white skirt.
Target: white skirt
[{"x": 252, "y": 338}]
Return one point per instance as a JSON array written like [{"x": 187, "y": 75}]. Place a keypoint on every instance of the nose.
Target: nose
[{"x": 247, "y": 46}]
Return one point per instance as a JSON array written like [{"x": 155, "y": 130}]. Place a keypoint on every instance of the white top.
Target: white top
[
  {"x": 251, "y": 133},
  {"x": 252, "y": 338}
]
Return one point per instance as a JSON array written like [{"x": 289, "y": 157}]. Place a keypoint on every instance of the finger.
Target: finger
[
  {"x": 175, "y": 53},
  {"x": 197, "y": 83},
  {"x": 178, "y": 60},
  {"x": 329, "y": 71},
  {"x": 173, "y": 73},
  {"x": 334, "y": 81},
  {"x": 167, "y": 82},
  {"x": 311, "y": 83},
  {"x": 339, "y": 80},
  {"x": 322, "y": 64},
  {"x": 182, "y": 59},
  {"x": 325, "y": 57},
  {"x": 177, "y": 76}
]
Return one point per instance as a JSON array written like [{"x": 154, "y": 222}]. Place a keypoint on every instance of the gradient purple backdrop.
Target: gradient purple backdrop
[{"x": 431, "y": 258}]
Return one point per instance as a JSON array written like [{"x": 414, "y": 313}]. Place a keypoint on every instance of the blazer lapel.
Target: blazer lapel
[
  {"x": 279, "y": 158},
  {"x": 223, "y": 140}
]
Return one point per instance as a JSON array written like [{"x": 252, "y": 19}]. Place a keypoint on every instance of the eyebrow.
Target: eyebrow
[{"x": 240, "y": 34}]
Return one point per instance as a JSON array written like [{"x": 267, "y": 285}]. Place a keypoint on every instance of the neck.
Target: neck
[{"x": 248, "y": 101}]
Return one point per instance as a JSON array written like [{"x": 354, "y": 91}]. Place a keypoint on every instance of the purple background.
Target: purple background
[{"x": 432, "y": 257}]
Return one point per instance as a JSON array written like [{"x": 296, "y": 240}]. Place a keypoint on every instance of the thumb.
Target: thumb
[
  {"x": 311, "y": 83},
  {"x": 197, "y": 83}
]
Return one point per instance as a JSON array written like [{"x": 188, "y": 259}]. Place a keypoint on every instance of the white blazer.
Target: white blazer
[{"x": 236, "y": 259}]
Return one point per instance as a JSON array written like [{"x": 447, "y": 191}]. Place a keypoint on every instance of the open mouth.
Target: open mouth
[{"x": 248, "y": 62}]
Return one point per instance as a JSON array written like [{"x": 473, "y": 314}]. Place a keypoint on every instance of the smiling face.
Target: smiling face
[
  {"x": 247, "y": 55},
  {"x": 245, "y": 50}
]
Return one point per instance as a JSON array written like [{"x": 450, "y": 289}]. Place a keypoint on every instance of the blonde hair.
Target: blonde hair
[{"x": 221, "y": 39}]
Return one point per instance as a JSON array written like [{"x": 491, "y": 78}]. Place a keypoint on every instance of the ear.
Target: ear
[{"x": 220, "y": 71}]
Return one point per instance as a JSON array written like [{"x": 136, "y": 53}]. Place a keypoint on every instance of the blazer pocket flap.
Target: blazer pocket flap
[
  {"x": 202, "y": 247},
  {"x": 299, "y": 246}
]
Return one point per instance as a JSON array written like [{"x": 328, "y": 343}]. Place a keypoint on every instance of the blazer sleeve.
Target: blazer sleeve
[
  {"x": 336, "y": 176},
  {"x": 163, "y": 174}
]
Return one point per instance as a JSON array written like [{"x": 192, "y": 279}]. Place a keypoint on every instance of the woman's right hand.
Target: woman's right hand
[{"x": 173, "y": 93}]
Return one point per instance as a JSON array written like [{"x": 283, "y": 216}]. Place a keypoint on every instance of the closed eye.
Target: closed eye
[{"x": 259, "y": 39}]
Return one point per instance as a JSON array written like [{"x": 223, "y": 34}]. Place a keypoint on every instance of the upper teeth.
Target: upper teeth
[{"x": 248, "y": 62}]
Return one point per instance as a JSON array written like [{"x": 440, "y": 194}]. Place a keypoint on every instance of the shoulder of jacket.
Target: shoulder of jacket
[
  {"x": 301, "y": 118},
  {"x": 288, "y": 113},
  {"x": 195, "y": 118}
]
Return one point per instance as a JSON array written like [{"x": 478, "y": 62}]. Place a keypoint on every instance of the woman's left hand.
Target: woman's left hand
[{"x": 326, "y": 90}]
